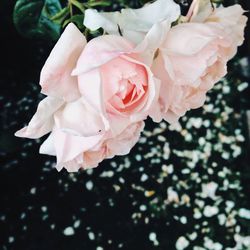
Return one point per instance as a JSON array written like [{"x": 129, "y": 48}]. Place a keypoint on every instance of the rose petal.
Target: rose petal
[
  {"x": 133, "y": 23},
  {"x": 42, "y": 121},
  {"x": 56, "y": 79},
  {"x": 100, "y": 50},
  {"x": 48, "y": 147},
  {"x": 107, "y": 20},
  {"x": 69, "y": 146},
  {"x": 123, "y": 143},
  {"x": 199, "y": 10},
  {"x": 79, "y": 118}
]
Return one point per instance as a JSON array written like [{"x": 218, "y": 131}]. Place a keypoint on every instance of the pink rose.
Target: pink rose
[
  {"x": 121, "y": 84},
  {"x": 96, "y": 112},
  {"x": 194, "y": 56},
  {"x": 76, "y": 152},
  {"x": 134, "y": 24}
]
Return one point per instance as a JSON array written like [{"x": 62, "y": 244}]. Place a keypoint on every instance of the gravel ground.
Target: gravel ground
[{"x": 182, "y": 187}]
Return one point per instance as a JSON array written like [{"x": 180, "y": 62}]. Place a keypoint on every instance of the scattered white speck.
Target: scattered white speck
[
  {"x": 202, "y": 141},
  {"x": 91, "y": 236},
  {"x": 152, "y": 236},
  {"x": 143, "y": 208},
  {"x": 242, "y": 86},
  {"x": 183, "y": 220},
  {"x": 107, "y": 174},
  {"x": 68, "y": 231},
  {"x": 181, "y": 243},
  {"x": 89, "y": 185},
  {"x": 11, "y": 239},
  {"x": 33, "y": 190},
  {"x": 222, "y": 219},
  {"x": 197, "y": 213},
  {"x": 44, "y": 208},
  {"x": 244, "y": 213},
  {"x": 229, "y": 205},
  {"x": 172, "y": 195},
  {"x": 225, "y": 155},
  {"x": 209, "y": 244},
  {"x": 209, "y": 189},
  {"x": 144, "y": 177},
  {"x": 77, "y": 223},
  {"x": 121, "y": 180},
  {"x": 22, "y": 216},
  {"x": 138, "y": 157},
  {"x": 210, "y": 211},
  {"x": 89, "y": 171},
  {"x": 226, "y": 89},
  {"x": 193, "y": 236}
]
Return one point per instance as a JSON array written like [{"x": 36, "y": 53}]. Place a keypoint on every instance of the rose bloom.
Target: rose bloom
[
  {"x": 190, "y": 57},
  {"x": 98, "y": 93},
  {"x": 134, "y": 24},
  {"x": 194, "y": 56}
]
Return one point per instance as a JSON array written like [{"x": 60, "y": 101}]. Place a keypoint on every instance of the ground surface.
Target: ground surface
[{"x": 181, "y": 187}]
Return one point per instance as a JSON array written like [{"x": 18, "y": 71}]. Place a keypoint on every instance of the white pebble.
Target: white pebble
[
  {"x": 91, "y": 236},
  {"x": 144, "y": 177},
  {"x": 68, "y": 231},
  {"x": 77, "y": 223},
  {"x": 89, "y": 185},
  {"x": 143, "y": 208},
  {"x": 152, "y": 236},
  {"x": 33, "y": 190},
  {"x": 244, "y": 213},
  {"x": 11, "y": 239},
  {"x": 242, "y": 86},
  {"x": 181, "y": 243},
  {"x": 210, "y": 211}
]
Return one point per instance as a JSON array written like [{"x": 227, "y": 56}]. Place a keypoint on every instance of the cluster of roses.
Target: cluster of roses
[{"x": 151, "y": 62}]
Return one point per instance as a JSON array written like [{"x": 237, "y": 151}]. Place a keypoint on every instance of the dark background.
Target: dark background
[{"x": 37, "y": 203}]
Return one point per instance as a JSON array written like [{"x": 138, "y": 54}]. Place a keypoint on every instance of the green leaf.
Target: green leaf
[
  {"x": 77, "y": 20},
  {"x": 61, "y": 16},
  {"x": 80, "y": 6},
  {"x": 32, "y": 18},
  {"x": 93, "y": 4}
]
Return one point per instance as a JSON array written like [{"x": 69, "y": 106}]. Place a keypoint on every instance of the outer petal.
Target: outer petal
[
  {"x": 123, "y": 143},
  {"x": 107, "y": 20},
  {"x": 199, "y": 10},
  {"x": 73, "y": 165},
  {"x": 186, "y": 66},
  {"x": 91, "y": 89},
  {"x": 233, "y": 23},
  {"x": 133, "y": 23},
  {"x": 100, "y": 50},
  {"x": 118, "y": 124},
  {"x": 69, "y": 146},
  {"x": 144, "y": 18},
  {"x": 56, "y": 79},
  {"x": 48, "y": 147},
  {"x": 42, "y": 122},
  {"x": 79, "y": 118},
  {"x": 152, "y": 41}
]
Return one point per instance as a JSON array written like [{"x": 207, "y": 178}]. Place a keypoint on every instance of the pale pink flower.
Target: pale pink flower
[
  {"x": 189, "y": 58},
  {"x": 97, "y": 96},
  {"x": 194, "y": 56},
  {"x": 134, "y": 24}
]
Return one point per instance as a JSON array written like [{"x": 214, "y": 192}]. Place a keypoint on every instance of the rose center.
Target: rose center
[{"x": 125, "y": 84}]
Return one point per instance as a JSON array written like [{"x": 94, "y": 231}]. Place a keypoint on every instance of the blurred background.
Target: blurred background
[{"x": 182, "y": 187}]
